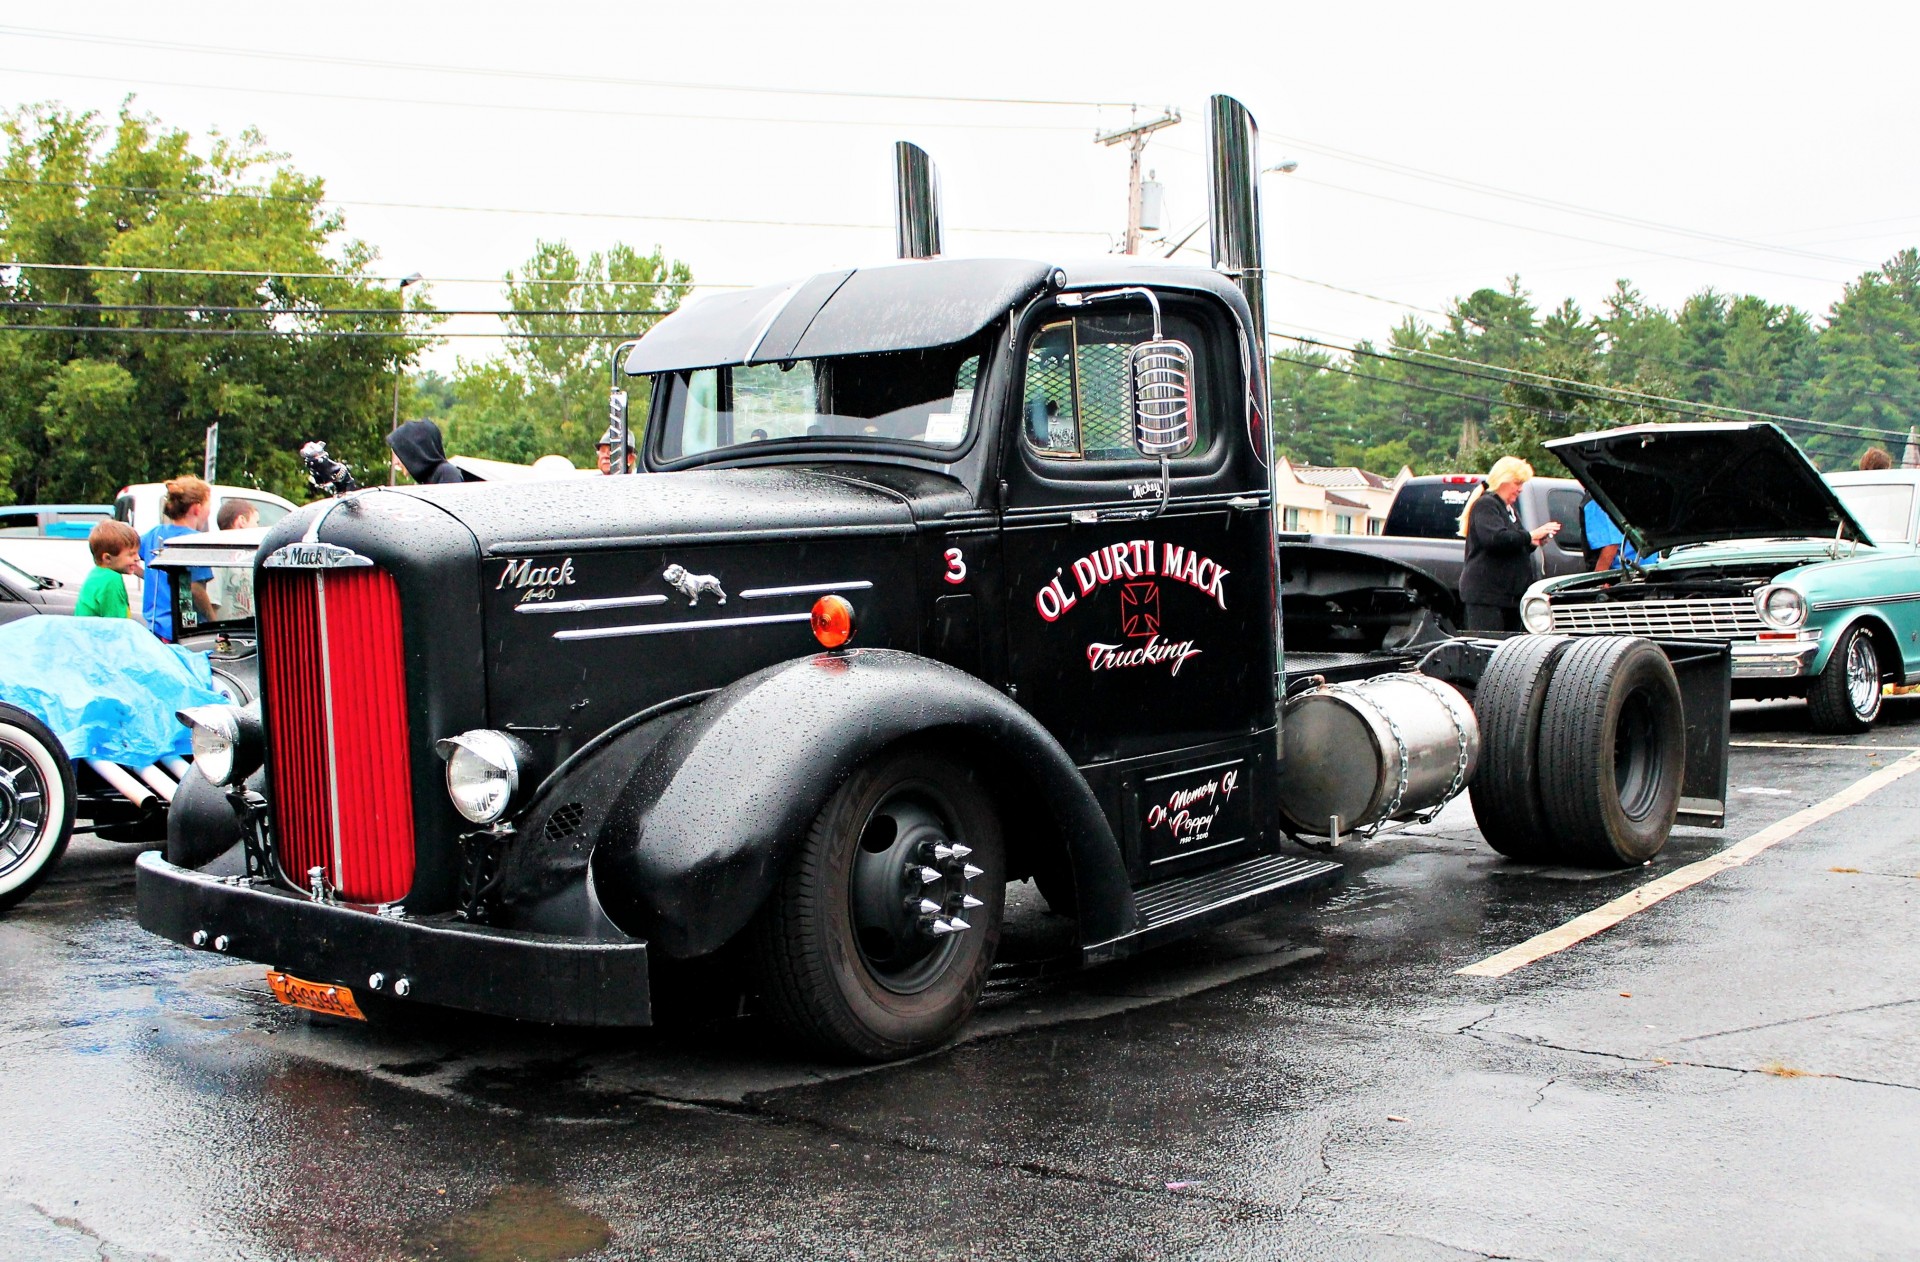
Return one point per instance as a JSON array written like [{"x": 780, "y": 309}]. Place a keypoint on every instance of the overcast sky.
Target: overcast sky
[{"x": 1748, "y": 147}]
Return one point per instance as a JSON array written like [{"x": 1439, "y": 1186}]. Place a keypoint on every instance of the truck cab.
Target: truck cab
[{"x": 935, "y": 575}]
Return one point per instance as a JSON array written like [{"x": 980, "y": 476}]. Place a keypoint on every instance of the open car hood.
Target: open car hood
[{"x": 1699, "y": 483}]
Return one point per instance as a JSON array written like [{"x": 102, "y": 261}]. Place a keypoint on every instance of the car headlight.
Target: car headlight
[
  {"x": 484, "y": 771},
  {"x": 1783, "y": 608},
  {"x": 227, "y": 742},
  {"x": 1536, "y": 614}
]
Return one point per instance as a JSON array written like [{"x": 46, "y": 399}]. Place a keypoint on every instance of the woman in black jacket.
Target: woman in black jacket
[{"x": 1499, "y": 565}]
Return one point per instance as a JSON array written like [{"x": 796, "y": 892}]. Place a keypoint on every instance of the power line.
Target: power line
[
  {"x": 576, "y": 110},
  {"x": 323, "y": 311},
  {"x": 1566, "y": 207},
  {"x": 1580, "y": 390},
  {"x": 1550, "y": 232},
  {"x": 519, "y": 210},
  {"x": 297, "y": 334},
  {"x": 347, "y": 276},
  {"x": 254, "y": 54}
]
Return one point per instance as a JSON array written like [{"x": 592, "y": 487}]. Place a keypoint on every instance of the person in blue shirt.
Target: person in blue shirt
[
  {"x": 184, "y": 513},
  {"x": 1605, "y": 543}
]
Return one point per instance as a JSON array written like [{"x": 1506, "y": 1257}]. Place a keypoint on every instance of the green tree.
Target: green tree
[
  {"x": 548, "y": 393},
  {"x": 94, "y": 399},
  {"x": 1869, "y": 361}
]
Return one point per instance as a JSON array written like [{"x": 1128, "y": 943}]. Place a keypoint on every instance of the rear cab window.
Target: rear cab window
[{"x": 1429, "y": 509}]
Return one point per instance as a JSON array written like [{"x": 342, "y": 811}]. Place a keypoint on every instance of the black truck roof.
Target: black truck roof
[{"x": 892, "y": 307}]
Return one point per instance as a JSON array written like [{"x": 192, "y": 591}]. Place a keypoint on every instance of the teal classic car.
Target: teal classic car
[{"x": 1814, "y": 581}]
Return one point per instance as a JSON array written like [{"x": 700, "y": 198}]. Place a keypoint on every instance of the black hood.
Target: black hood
[
  {"x": 676, "y": 509},
  {"x": 419, "y": 447},
  {"x": 1700, "y": 483}
]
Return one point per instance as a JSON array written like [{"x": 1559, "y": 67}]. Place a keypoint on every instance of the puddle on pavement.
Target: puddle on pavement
[{"x": 518, "y": 1223}]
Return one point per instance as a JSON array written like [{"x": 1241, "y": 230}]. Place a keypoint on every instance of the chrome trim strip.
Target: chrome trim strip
[
  {"x": 664, "y": 628},
  {"x": 326, "y": 689},
  {"x": 588, "y": 606},
  {"x": 304, "y": 554},
  {"x": 1824, "y": 605},
  {"x": 1188, "y": 854},
  {"x": 802, "y": 589}
]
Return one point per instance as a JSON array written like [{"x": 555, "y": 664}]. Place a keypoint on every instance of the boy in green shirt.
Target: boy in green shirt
[{"x": 116, "y": 551}]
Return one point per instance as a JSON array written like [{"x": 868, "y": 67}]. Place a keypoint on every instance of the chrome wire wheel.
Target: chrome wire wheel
[
  {"x": 23, "y": 808},
  {"x": 1863, "y": 675},
  {"x": 36, "y": 804}
]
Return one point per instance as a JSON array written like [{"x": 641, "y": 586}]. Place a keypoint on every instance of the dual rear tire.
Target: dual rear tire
[{"x": 1583, "y": 750}]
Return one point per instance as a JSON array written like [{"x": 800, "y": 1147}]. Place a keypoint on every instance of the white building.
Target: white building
[{"x": 1333, "y": 500}]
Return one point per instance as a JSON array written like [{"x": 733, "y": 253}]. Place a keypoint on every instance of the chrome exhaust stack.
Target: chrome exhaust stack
[
  {"x": 1233, "y": 199},
  {"x": 916, "y": 202}
]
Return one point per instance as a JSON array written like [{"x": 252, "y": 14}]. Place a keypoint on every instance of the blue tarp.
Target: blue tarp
[{"x": 106, "y": 686}]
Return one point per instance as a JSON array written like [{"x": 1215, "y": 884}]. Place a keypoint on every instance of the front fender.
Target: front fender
[
  {"x": 1892, "y": 661},
  {"x": 707, "y": 824}
]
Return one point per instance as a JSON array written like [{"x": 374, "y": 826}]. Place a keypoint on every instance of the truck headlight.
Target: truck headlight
[
  {"x": 227, "y": 742},
  {"x": 483, "y": 772},
  {"x": 1536, "y": 614},
  {"x": 1782, "y": 608}
]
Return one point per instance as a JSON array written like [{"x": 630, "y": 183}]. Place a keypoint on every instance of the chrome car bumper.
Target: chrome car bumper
[{"x": 1773, "y": 659}]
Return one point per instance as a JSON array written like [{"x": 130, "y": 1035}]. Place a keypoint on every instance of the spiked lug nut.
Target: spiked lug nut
[
  {"x": 929, "y": 875},
  {"x": 927, "y": 907},
  {"x": 968, "y": 872},
  {"x": 969, "y": 902},
  {"x": 952, "y": 924},
  {"x": 943, "y": 852}
]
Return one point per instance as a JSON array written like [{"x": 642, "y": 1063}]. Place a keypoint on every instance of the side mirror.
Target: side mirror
[{"x": 1160, "y": 395}]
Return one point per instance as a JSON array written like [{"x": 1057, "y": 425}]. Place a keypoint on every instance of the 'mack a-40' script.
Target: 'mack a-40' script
[{"x": 1139, "y": 558}]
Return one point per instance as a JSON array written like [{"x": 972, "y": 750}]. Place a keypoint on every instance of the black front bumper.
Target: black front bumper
[{"x": 528, "y": 976}]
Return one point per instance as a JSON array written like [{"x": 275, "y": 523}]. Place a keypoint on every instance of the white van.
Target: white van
[{"x": 139, "y": 505}]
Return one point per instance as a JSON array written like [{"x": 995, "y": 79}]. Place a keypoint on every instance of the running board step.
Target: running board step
[{"x": 1173, "y": 909}]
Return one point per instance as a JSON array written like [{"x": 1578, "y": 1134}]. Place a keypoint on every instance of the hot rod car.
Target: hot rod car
[
  {"x": 937, "y": 575},
  {"x": 1813, "y": 582}
]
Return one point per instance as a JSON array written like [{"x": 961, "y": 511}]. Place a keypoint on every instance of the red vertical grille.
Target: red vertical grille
[{"x": 337, "y": 729}]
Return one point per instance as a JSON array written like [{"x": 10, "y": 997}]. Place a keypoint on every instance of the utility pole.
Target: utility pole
[{"x": 1135, "y": 137}]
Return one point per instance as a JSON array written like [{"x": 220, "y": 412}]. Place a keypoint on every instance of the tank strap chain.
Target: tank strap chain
[{"x": 1441, "y": 691}]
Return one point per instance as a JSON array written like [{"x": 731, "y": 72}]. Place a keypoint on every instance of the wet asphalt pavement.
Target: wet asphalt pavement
[{"x": 1732, "y": 1073}]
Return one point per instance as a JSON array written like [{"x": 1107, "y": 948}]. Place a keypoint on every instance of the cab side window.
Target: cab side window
[{"x": 1074, "y": 403}]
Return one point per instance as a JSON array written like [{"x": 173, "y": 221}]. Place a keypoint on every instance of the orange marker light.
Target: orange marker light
[{"x": 832, "y": 621}]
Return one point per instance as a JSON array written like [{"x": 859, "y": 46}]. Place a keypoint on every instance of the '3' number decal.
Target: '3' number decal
[{"x": 956, "y": 566}]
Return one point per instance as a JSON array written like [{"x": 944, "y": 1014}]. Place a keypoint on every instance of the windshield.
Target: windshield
[
  {"x": 13, "y": 572},
  {"x": 1430, "y": 510},
  {"x": 229, "y": 592},
  {"x": 1885, "y": 510},
  {"x": 919, "y": 397}
]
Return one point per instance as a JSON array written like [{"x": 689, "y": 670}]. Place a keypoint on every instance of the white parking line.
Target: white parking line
[
  {"x": 1605, "y": 917},
  {"x": 1815, "y": 745}
]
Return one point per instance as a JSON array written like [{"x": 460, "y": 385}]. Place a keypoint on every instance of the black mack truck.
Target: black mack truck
[{"x": 935, "y": 575}]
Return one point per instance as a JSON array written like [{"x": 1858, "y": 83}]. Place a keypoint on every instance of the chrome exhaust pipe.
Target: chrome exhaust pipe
[
  {"x": 157, "y": 780},
  {"x": 176, "y": 767},
  {"x": 916, "y": 202},
  {"x": 122, "y": 782},
  {"x": 1233, "y": 196}
]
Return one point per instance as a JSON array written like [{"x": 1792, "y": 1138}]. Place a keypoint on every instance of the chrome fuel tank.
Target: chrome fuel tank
[{"x": 1385, "y": 748}]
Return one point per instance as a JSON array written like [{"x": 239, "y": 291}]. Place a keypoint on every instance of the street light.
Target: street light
[
  {"x": 414, "y": 279},
  {"x": 1286, "y": 166}
]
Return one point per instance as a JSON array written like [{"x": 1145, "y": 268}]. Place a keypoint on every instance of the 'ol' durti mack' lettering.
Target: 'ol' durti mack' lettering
[{"x": 1138, "y": 558}]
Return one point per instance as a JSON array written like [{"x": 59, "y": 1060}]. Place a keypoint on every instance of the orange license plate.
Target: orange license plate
[{"x": 335, "y": 1001}]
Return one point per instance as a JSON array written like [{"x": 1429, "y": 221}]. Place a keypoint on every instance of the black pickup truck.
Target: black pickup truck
[{"x": 937, "y": 575}]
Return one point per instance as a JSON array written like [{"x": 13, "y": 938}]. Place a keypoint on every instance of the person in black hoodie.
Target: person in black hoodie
[
  {"x": 418, "y": 448},
  {"x": 1499, "y": 566}
]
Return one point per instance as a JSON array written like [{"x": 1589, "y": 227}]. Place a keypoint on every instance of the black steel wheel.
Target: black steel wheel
[
  {"x": 1845, "y": 697},
  {"x": 877, "y": 942},
  {"x": 1612, "y": 752},
  {"x": 1508, "y": 704},
  {"x": 36, "y": 804}
]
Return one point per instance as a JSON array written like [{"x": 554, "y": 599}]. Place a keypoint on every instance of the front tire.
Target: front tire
[
  {"x": 877, "y": 942},
  {"x": 36, "y": 804},
  {"x": 1845, "y": 697}
]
